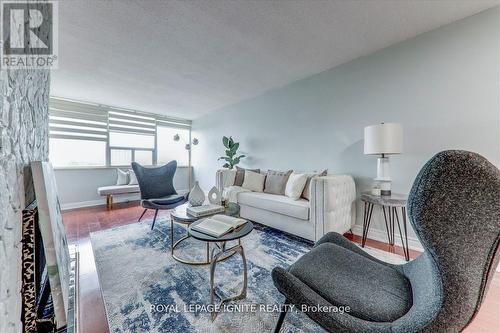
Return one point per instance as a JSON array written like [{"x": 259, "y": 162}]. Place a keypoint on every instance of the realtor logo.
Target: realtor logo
[{"x": 29, "y": 34}]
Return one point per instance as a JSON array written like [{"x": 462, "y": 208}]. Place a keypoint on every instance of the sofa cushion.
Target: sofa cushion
[
  {"x": 133, "y": 178},
  {"x": 306, "y": 194},
  {"x": 254, "y": 181},
  {"x": 118, "y": 189},
  {"x": 373, "y": 291},
  {"x": 295, "y": 185},
  {"x": 276, "y": 181},
  {"x": 121, "y": 177},
  {"x": 276, "y": 203},
  {"x": 240, "y": 175}
]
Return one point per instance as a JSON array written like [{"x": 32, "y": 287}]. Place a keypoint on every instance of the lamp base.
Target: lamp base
[
  {"x": 385, "y": 187},
  {"x": 383, "y": 175}
]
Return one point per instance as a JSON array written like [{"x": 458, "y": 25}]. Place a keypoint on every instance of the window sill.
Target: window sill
[{"x": 105, "y": 167}]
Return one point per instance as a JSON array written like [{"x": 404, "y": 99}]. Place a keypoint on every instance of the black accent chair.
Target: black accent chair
[
  {"x": 454, "y": 208},
  {"x": 157, "y": 188}
]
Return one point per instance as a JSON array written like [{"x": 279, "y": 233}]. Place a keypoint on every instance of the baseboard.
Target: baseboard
[
  {"x": 91, "y": 203},
  {"x": 99, "y": 202},
  {"x": 381, "y": 236}
]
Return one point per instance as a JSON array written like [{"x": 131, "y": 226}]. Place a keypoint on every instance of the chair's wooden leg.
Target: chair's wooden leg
[
  {"x": 109, "y": 201},
  {"x": 281, "y": 319},
  {"x": 144, "y": 212},
  {"x": 154, "y": 219}
]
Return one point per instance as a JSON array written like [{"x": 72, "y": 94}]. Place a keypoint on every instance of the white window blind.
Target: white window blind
[
  {"x": 114, "y": 136},
  {"x": 172, "y": 122},
  {"x": 78, "y": 121},
  {"x": 125, "y": 121}
]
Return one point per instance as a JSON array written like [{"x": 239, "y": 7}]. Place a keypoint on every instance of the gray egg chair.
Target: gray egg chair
[{"x": 454, "y": 208}]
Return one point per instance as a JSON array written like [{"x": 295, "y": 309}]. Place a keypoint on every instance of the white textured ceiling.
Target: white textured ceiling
[{"x": 187, "y": 58}]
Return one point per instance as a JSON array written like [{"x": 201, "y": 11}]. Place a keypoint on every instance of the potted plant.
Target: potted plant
[{"x": 231, "y": 157}]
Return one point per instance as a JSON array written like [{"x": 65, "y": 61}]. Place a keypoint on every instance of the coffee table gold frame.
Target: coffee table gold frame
[
  {"x": 175, "y": 243},
  {"x": 223, "y": 254}
]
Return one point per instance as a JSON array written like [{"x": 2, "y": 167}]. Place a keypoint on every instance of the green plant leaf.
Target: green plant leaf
[
  {"x": 231, "y": 141},
  {"x": 230, "y": 153},
  {"x": 225, "y": 141},
  {"x": 241, "y": 156},
  {"x": 235, "y": 146}
]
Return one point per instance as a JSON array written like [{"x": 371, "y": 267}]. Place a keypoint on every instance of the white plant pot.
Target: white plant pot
[{"x": 196, "y": 196}]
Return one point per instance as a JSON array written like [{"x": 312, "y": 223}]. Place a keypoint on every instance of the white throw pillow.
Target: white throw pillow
[
  {"x": 122, "y": 177},
  {"x": 254, "y": 181},
  {"x": 295, "y": 185},
  {"x": 133, "y": 178}
]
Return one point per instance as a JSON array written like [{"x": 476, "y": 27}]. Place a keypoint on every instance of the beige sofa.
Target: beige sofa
[{"x": 331, "y": 206}]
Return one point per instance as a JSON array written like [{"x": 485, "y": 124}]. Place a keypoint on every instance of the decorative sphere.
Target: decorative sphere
[
  {"x": 177, "y": 137},
  {"x": 195, "y": 141}
]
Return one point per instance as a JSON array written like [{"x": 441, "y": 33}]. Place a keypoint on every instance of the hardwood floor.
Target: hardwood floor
[{"x": 92, "y": 316}]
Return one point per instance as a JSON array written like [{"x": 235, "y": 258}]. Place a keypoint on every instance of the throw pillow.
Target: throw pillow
[
  {"x": 306, "y": 194},
  {"x": 295, "y": 185},
  {"x": 133, "y": 178},
  {"x": 121, "y": 177},
  {"x": 228, "y": 177},
  {"x": 240, "y": 175},
  {"x": 254, "y": 181},
  {"x": 276, "y": 181}
]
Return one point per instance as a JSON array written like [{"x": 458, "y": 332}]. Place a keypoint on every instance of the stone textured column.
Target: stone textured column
[{"x": 23, "y": 138}]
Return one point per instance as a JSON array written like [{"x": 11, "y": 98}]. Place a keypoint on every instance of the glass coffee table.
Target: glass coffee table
[
  {"x": 179, "y": 215},
  {"x": 219, "y": 253}
]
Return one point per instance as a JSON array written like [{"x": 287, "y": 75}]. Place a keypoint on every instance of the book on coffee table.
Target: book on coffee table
[
  {"x": 219, "y": 225},
  {"x": 204, "y": 210}
]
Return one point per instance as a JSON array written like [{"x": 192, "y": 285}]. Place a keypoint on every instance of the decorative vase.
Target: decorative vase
[
  {"x": 196, "y": 196},
  {"x": 214, "y": 196}
]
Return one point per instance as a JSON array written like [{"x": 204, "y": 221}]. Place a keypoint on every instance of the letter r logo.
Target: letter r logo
[{"x": 27, "y": 27}]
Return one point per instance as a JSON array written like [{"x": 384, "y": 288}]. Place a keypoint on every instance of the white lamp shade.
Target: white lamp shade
[{"x": 385, "y": 138}]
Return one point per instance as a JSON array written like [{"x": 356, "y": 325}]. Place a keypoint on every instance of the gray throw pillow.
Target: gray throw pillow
[
  {"x": 240, "y": 175},
  {"x": 307, "y": 188},
  {"x": 276, "y": 181}
]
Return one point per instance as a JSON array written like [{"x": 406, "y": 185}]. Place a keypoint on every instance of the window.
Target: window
[
  {"x": 69, "y": 152},
  {"x": 168, "y": 149},
  {"x": 131, "y": 138},
  {"x": 144, "y": 157},
  {"x": 83, "y": 134},
  {"x": 78, "y": 134},
  {"x": 121, "y": 156}
]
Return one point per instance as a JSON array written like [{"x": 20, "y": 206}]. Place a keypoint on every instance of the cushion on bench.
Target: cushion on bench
[{"x": 118, "y": 189}]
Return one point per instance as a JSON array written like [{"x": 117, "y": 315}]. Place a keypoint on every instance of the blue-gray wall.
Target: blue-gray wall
[{"x": 443, "y": 86}]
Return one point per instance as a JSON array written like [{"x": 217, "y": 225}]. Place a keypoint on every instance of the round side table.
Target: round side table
[{"x": 391, "y": 203}]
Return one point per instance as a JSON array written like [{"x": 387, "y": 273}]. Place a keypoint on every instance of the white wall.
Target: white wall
[
  {"x": 443, "y": 86},
  {"x": 78, "y": 187}
]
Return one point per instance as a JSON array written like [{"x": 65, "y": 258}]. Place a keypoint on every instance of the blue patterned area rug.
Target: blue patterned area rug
[{"x": 146, "y": 290}]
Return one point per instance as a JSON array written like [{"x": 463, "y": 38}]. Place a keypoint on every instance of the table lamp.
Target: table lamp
[{"x": 383, "y": 139}]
